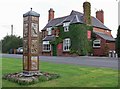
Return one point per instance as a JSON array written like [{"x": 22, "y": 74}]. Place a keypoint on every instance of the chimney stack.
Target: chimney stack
[
  {"x": 11, "y": 29},
  {"x": 100, "y": 15},
  {"x": 87, "y": 12},
  {"x": 51, "y": 14}
]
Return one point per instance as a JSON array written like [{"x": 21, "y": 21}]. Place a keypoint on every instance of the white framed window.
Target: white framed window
[
  {"x": 96, "y": 43},
  {"x": 49, "y": 30},
  {"x": 66, "y": 26},
  {"x": 66, "y": 44},
  {"x": 46, "y": 46}
]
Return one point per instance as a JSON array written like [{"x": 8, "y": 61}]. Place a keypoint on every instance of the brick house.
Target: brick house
[{"x": 102, "y": 44}]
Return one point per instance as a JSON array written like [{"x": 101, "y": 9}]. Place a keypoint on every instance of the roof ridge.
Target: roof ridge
[
  {"x": 99, "y": 21},
  {"x": 60, "y": 17},
  {"x": 75, "y": 11},
  {"x": 78, "y": 17}
]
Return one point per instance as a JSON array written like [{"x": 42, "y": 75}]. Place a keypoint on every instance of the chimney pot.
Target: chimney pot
[
  {"x": 51, "y": 14},
  {"x": 100, "y": 15}
]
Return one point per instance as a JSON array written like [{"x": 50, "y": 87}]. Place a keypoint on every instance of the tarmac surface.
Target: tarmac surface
[{"x": 104, "y": 62}]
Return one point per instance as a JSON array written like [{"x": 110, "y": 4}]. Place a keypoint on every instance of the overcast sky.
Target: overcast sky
[{"x": 11, "y": 12}]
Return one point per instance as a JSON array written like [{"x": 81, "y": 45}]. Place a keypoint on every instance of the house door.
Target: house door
[{"x": 54, "y": 49}]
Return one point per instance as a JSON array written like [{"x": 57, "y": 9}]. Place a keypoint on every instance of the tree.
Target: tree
[
  {"x": 11, "y": 42},
  {"x": 118, "y": 42}
]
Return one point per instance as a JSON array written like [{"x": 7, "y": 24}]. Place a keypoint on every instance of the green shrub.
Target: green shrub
[
  {"x": 43, "y": 78},
  {"x": 80, "y": 44},
  {"x": 29, "y": 80}
]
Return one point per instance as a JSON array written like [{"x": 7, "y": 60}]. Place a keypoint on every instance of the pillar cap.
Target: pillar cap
[{"x": 31, "y": 13}]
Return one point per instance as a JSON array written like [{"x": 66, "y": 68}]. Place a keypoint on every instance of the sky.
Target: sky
[
  {"x": 119, "y": 13},
  {"x": 12, "y": 12}
]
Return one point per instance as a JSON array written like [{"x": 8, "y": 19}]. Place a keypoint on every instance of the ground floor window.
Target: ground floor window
[
  {"x": 66, "y": 44},
  {"x": 96, "y": 43},
  {"x": 46, "y": 46}
]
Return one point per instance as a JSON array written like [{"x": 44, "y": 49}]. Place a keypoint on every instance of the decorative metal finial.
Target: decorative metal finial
[
  {"x": 31, "y": 9},
  {"x": 87, "y": 1}
]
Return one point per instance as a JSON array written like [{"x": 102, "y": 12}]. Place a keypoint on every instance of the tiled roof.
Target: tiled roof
[
  {"x": 74, "y": 17},
  {"x": 97, "y": 23},
  {"x": 54, "y": 22},
  {"x": 31, "y": 13},
  {"x": 49, "y": 38},
  {"x": 105, "y": 36}
]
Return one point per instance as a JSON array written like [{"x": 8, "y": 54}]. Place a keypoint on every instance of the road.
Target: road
[{"x": 80, "y": 60}]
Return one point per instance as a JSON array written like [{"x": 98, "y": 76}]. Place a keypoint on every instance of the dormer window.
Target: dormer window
[
  {"x": 49, "y": 30},
  {"x": 66, "y": 26}
]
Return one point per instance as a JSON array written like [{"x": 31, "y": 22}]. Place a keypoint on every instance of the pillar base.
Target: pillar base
[{"x": 31, "y": 73}]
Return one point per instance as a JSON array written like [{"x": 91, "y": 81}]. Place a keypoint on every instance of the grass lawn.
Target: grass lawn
[{"x": 71, "y": 75}]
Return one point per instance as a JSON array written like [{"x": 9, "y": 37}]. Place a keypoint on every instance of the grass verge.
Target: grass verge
[{"x": 71, "y": 75}]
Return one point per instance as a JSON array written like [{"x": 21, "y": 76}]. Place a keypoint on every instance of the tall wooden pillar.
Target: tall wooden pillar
[{"x": 31, "y": 43}]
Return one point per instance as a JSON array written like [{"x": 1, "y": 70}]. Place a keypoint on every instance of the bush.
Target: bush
[
  {"x": 43, "y": 78},
  {"x": 11, "y": 42},
  {"x": 118, "y": 42}
]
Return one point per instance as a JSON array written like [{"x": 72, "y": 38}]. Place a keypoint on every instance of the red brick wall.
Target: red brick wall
[
  {"x": 60, "y": 52},
  {"x": 66, "y": 54},
  {"x": 99, "y": 51},
  {"x": 46, "y": 53},
  {"x": 102, "y": 50},
  {"x": 59, "y": 49},
  {"x": 111, "y": 45},
  {"x": 102, "y": 30},
  {"x": 45, "y": 33}
]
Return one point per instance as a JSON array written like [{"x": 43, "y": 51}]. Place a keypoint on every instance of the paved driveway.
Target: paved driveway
[{"x": 80, "y": 60}]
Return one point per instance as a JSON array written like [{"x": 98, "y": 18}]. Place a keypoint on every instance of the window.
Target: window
[
  {"x": 66, "y": 44},
  {"x": 46, "y": 46},
  {"x": 66, "y": 29},
  {"x": 96, "y": 43},
  {"x": 66, "y": 26},
  {"x": 49, "y": 30}
]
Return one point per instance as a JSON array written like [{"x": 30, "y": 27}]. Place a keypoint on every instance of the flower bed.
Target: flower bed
[{"x": 26, "y": 80}]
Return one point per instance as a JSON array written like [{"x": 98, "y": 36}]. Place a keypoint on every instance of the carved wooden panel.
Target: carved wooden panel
[
  {"x": 25, "y": 62},
  {"x": 25, "y": 18},
  {"x": 34, "y": 63},
  {"x": 34, "y": 18},
  {"x": 34, "y": 30},
  {"x": 25, "y": 44},
  {"x": 25, "y": 31},
  {"x": 34, "y": 47}
]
